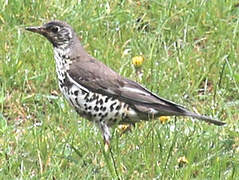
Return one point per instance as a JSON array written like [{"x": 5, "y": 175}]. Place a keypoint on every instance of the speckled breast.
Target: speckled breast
[{"x": 97, "y": 107}]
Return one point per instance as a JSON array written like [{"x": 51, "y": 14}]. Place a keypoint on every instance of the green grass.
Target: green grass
[{"x": 191, "y": 57}]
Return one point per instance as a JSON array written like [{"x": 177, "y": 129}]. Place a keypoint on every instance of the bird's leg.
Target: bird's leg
[{"x": 106, "y": 135}]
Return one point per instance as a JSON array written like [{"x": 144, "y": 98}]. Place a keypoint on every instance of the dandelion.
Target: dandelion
[
  {"x": 164, "y": 119},
  {"x": 182, "y": 161},
  {"x": 137, "y": 61},
  {"x": 124, "y": 128}
]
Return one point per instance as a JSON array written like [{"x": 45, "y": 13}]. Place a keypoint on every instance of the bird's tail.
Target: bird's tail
[
  {"x": 172, "y": 109},
  {"x": 204, "y": 118}
]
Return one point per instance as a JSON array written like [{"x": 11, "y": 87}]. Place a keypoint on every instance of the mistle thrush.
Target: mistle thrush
[{"x": 97, "y": 92}]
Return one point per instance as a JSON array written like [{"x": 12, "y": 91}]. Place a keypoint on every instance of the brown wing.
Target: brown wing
[{"x": 98, "y": 78}]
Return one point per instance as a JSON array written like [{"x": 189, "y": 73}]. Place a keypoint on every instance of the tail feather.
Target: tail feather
[
  {"x": 178, "y": 110},
  {"x": 204, "y": 118}
]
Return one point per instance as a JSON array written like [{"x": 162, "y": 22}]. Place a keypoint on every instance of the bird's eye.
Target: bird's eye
[{"x": 55, "y": 29}]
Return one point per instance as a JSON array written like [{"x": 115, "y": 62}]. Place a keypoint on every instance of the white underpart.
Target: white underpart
[{"x": 61, "y": 66}]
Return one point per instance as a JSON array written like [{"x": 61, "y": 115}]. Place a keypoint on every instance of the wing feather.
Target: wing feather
[{"x": 97, "y": 77}]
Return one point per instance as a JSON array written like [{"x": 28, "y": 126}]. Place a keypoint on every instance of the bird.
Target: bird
[{"x": 97, "y": 92}]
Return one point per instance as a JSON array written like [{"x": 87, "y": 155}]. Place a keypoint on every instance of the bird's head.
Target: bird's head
[{"x": 59, "y": 33}]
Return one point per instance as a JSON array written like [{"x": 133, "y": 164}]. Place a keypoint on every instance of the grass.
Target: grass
[{"x": 191, "y": 57}]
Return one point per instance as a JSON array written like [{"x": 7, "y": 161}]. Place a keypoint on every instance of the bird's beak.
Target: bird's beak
[{"x": 36, "y": 29}]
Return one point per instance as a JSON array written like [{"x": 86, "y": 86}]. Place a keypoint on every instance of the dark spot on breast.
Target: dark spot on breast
[
  {"x": 100, "y": 114},
  {"x": 96, "y": 97},
  {"x": 68, "y": 90},
  {"x": 107, "y": 99},
  {"x": 96, "y": 108},
  {"x": 106, "y": 114},
  {"x": 61, "y": 85},
  {"x": 93, "y": 97},
  {"x": 127, "y": 108},
  {"x": 89, "y": 100},
  {"x": 118, "y": 107},
  {"x": 76, "y": 100},
  {"x": 83, "y": 92},
  {"x": 116, "y": 114},
  {"x": 86, "y": 96},
  {"x": 71, "y": 101},
  {"x": 76, "y": 93},
  {"x": 89, "y": 107},
  {"x": 112, "y": 106},
  {"x": 101, "y": 101}
]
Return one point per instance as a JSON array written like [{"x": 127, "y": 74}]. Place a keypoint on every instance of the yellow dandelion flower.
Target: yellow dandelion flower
[
  {"x": 124, "y": 128},
  {"x": 182, "y": 161},
  {"x": 164, "y": 119},
  {"x": 137, "y": 61}
]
